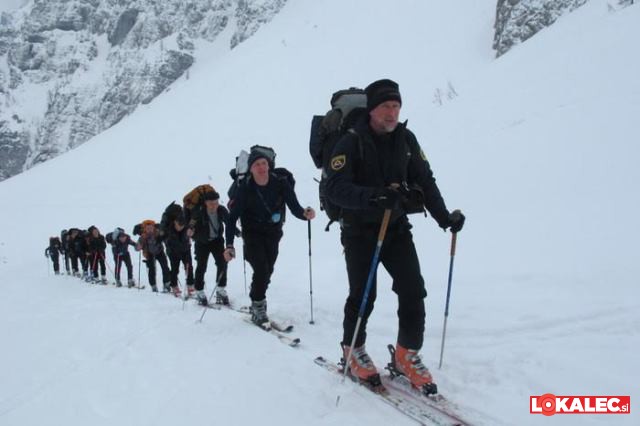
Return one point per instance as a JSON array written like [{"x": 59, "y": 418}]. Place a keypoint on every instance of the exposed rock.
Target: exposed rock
[
  {"x": 76, "y": 67},
  {"x": 518, "y": 20}
]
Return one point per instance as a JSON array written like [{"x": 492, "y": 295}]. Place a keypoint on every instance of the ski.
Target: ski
[
  {"x": 428, "y": 395},
  {"x": 284, "y": 338},
  {"x": 276, "y": 325},
  {"x": 415, "y": 408}
]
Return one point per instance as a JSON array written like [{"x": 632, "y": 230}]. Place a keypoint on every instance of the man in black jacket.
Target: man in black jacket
[
  {"x": 120, "y": 243},
  {"x": 53, "y": 252},
  {"x": 178, "y": 243},
  {"x": 207, "y": 222},
  {"x": 378, "y": 165},
  {"x": 97, "y": 246},
  {"x": 258, "y": 204},
  {"x": 78, "y": 251}
]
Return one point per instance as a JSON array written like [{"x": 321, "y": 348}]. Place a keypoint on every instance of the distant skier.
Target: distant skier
[
  {"x": 64, "y": 240},
  {"x": 378, "y": 165},
  {"x": 177, "y": 239},
  {"x": 207, "y": 221},
  {"x": 150, "y": 242},
  {"x": 120, "y": 243},
  {"x": 53, "y": 253},
  {"x": 258, "y": 204},
  {"x": 97, "y": 246},
  {"x": 78, "y": 252}
]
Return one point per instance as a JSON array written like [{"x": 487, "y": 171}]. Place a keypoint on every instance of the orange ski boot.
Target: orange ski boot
[
  {"x": 409, "y": 364},
  {"x": 361, "y": 366}
]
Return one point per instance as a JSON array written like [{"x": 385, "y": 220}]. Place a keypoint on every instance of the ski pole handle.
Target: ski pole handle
[{"x": 454, "y": 239}]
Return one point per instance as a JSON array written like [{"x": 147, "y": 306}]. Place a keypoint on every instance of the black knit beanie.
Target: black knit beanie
[
  {"x": 381, "y": 91},
  {"x": 255, "y": 156}
]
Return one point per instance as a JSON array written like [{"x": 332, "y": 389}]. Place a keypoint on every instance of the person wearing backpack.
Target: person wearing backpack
[
  {"x": 150, "y": 242},
  {"x": 377, "y": 166},
  {"x": 78, "y": 252},
  {"x": 53, "y": 253},
  {"x": 207, "y": 221},
  {"x": 97, "y": 246},
  {"x": 120, "y": 243},
  {"x": 64, "y": 249},
  {"x": 177, "y": 239},
  {"x": 258, "y": 204}
]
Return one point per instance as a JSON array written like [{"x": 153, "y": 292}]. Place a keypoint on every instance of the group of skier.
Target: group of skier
[{"x": 374, "y": 174}]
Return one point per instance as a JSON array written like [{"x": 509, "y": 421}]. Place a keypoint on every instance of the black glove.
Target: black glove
[
  {"x": 386, "y": 198},
  {"x": 456, "y": 221}
]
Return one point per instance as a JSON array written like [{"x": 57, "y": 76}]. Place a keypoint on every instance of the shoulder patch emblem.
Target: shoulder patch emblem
[
  {"x": 422, "y": 155},
  {"x": 338, "y": 162}
]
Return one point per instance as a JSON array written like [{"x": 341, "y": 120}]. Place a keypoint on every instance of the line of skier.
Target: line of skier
[
  {"x": 374, "y": 174},
  {"x": 259, "y": 203}
]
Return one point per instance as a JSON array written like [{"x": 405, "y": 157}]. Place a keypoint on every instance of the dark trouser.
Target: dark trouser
[
  {"x": 66, "y": 263},
  {"x": 175, "y": 260},
  {"x": 84, "y": 262},
  {"x": 399, "y": 257},
  {"x": 74, "y": 262},
  {"x": 151, "y": 265},
  {"x": 56, "y": 263},
  {"x": 216, "y": 248},
  {"x": 261, "y": 251},
  {"x": 97, "y": 258},
  {"x": 126, "y": 258}
]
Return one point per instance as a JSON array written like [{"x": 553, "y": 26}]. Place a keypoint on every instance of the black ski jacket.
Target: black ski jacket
[
  {"x": 363, "y": 164},
  {"x": 200, "y": 222},
  {"x": 177, "y": 243},
  {"x": 256, "y": 205}
]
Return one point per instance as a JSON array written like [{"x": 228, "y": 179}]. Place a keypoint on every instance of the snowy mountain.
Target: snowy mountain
[
  {"x": 71, "y": 69},
  {"x": 537, "y": 147}
]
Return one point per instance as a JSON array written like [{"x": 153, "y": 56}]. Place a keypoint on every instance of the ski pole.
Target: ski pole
[
  {"x": 184, "y": 298},
  {"x": 204, "y": 310},
  {"x": 94, "y": 267},
  {"x": 454, "y": 236},
  {"x": 244, "y": 266},
  {"x": 139, "y": 267},
  {"x": 108, "y": 266},
  {"x": 310, "y": 273},
  {"x": 367, "y": 289},
  {"x": 117, "y": 268}
]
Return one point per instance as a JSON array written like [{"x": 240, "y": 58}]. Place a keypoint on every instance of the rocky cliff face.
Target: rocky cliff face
[
  {"x": 518, "y": 20},
  {"x": 70, "y": 69}
]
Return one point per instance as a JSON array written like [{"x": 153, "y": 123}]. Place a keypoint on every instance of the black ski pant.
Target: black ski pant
[
  {"x": 151, "y": 266},
  {"x": 75, "y": 258},
  {"x": 56, "y": 263},
  {"x": 126, "y": 259},
  {"x": 84, "y": 262},
  {"x": 97, "y": 259},
  {"x": 74, "y": 263},
  {"x": 261, "y": 251},
  {"x": 175, "y": 261},
  {"x": 203, "y": 250},
  {"x": 398, "y": 256}
]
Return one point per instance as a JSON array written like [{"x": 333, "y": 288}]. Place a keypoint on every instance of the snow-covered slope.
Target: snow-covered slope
[
  {"x": 71, "y": 69},
  {"x": 537, "y": 149}
]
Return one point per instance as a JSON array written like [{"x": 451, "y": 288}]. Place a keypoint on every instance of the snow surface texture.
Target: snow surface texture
[
  {"x": 539, "y": 149},
  {"x": 91, "y": 63}
]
